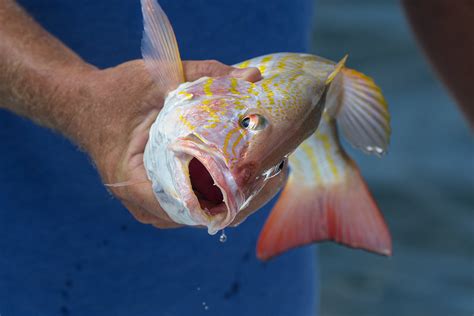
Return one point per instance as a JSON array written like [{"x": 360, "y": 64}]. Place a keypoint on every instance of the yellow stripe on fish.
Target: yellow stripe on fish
[
  {"x": 186, "y": 122},
  {"x": 227, "y": 140},
  {"x": 212, "y": 113},
  {"x": 244, "y": 64},
  {"x": 306, "y": 148},
  {"x": 207, "y": 87},
  {"x": 263, "y": 63},
  {"x": 329, "y": 159},
  {"x": 239, "y": 105},
  {"x": 251, "y": 89},
  {"x": 283, "y": 62},
  {"x": 233, "y": 86},
  {"x": 237, "y": 141},
  {"x": 186, "y": 94},
  {"x": 268, "y": 91}
]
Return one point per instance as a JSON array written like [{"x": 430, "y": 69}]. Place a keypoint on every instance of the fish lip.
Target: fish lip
[{"x": 220, "y": 173}]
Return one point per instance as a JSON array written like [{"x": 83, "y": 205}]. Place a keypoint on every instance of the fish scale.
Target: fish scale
[{"x": 288, "y": 80}]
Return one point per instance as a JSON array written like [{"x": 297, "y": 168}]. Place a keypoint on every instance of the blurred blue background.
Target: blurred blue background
[{"x": 424, "y": 186}]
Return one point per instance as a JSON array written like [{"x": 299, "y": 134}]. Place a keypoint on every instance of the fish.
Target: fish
[{"x": 222, "y": 146}]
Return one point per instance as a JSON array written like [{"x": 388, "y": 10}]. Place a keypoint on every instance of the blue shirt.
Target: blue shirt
[{"x": 68, "y": 247}]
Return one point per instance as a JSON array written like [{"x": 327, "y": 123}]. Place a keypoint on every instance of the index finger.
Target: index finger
[{"x": 195, "y": 69}]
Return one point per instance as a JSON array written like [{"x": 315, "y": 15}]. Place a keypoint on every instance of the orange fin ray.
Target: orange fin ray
[{"x": 345, "y": 213}]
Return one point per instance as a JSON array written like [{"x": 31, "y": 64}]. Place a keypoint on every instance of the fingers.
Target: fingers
[
  {"x": 251, "y": 74},
  {"x": 145, "y": 217},
  {"x": 194, "y": 70},
  {"x": 139, "y": 199}
]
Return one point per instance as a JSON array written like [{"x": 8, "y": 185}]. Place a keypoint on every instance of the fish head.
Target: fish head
[{"x": 212, "y": 146}]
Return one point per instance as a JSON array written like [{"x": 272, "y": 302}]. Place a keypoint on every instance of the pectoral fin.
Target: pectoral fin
[
  {"x": 361, "y": 111},
  {"x": 159, "y": 47},
  {"x": 325, "y": 199}
]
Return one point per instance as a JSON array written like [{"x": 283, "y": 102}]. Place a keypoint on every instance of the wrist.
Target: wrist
[
  {"x": 69, "y": 99},
  {"x": 83, "y": 107},
  {"x": 105, "y": 107}
]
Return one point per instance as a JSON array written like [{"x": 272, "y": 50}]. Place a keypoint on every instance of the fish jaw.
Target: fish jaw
[{"x": 191, "y": 152}]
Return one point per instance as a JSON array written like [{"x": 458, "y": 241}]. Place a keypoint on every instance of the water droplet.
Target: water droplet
[
  {"x": 203, "y": 303},
  {"x": 198, "y": 288},
  {"x": 223, "y": 237},
  {"x": 378, "y": 150},
  {"x": 206, "y": 307}
]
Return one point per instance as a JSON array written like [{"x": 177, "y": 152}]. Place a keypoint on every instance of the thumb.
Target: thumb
[{"x": 194, "y": 70}]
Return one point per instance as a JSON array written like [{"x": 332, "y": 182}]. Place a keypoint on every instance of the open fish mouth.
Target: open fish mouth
[
  {"x": 209, "y": 195},
  {"x": 212, "y": 195}
]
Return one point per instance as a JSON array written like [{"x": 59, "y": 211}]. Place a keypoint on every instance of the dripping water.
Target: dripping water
[{"x": 223, "y": 237}]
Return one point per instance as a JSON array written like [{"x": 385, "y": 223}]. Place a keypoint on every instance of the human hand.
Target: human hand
[{"x": 124, "y": 102}]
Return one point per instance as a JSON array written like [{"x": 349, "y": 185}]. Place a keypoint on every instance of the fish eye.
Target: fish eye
[
  {"x": 245, "y": 122},
  {"x": 253, "y": 122}
]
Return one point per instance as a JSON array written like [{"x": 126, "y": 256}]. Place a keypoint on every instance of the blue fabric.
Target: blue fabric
[{"x": 67, "y": 247}]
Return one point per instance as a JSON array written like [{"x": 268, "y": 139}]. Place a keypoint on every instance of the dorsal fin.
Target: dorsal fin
[
  {"x": 361, "y": 111},
  {"x": 159, "y": 47},
  {"x": 337, "y": 68}
]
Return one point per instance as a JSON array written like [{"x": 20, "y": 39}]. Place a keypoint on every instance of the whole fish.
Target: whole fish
[{"x": 218, "y": 142}]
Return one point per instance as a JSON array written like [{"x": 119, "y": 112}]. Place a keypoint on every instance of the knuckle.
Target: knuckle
[
  {"x": 214, "y": 66},
  {"x": 213, "y": 62}
]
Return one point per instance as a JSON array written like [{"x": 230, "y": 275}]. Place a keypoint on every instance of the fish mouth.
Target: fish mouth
[
  {"x": 209, "y": 195},
  {"x": 212, "y": 195}
]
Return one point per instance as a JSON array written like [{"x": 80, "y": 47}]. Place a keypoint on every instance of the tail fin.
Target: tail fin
[{"x": 325, "y": 199}]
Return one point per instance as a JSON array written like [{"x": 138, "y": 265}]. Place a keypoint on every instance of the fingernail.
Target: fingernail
[
  {"x": 250, "y": 74},
  {"x": 239, "y": 72}
]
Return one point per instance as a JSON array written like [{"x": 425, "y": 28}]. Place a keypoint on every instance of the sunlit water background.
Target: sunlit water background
[{"x": 424, "y": 186}]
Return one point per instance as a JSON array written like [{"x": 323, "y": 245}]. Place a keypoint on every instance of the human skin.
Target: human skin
[
  {"x": 445, "y": 29},
  {"x": 107, "y": 113}
]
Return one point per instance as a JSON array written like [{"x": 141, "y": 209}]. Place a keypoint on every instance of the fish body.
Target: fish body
[
  {"x": 219, "y": 142},
  {"x": 206, "y": 115}
]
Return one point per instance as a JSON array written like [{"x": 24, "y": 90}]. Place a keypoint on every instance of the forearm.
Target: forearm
[{"x": 39, "y": 76}]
